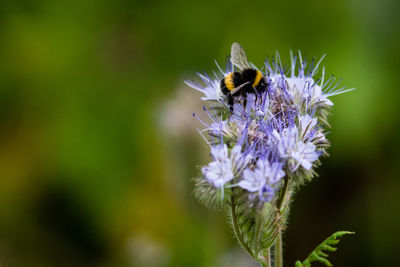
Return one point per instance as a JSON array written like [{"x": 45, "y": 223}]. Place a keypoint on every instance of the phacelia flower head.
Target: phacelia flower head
[
  {"x": 266, "y": 134},
  {"x": 260, "y": 136}
]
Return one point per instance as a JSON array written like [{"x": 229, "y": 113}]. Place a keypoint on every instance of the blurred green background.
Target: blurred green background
[{"x": 98, "y": 143}]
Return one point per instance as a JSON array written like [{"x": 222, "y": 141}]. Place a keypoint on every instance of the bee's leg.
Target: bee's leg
[
  {"x": 262, "y": 99},
  {"x": 230, "y": 102},
  {"x": 256, "y": 93},
  {"x": 244, "y": 95}
]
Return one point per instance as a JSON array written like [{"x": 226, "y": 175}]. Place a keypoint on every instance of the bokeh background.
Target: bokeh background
[{"x": 98, "y": 143}]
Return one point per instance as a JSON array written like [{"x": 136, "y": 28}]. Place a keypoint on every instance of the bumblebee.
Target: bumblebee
[{"x": 247, "y": 81}]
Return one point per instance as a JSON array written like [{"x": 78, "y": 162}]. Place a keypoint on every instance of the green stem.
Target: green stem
[
  {"x": 267, "y": 259},
  {"x": 283, "y": 194},
  {"x": 236, "y": 228},
  {"x": 278, "y": 244},
  {"x": 278, "y": 251}
]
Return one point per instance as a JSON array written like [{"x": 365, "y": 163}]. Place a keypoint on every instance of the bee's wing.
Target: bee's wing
[{"x": 238, "y": 57}]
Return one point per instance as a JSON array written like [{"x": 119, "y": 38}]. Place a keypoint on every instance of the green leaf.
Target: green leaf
[{"x": 318, "y": 253}]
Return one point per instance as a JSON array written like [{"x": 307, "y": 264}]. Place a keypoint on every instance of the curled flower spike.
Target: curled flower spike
[{"x": 266, "y": 134}]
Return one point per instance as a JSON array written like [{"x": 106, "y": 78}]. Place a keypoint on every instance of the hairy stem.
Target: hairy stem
[
  {"x": 283, "y": 194},
  {"x": 278, "y": 244},
  {"x": 278, "y": 251},
  {"x": 266, "y": 262},
  {"x": 236, "y": 228}
]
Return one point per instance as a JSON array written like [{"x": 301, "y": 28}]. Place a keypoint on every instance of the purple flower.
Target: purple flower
[
  {"x": 239, "y": 160},
  {"x": 305, "y": 91},
  {"x": 297, "y": 152},
  {"x": 309, "y": 131},
  {"x": 219, "y": 172},
  {"x": 211, "y": 91},
  {"x": 224, "y": 167},
  {"x": 262, "y": 179},
  {"x": 263, "y": 128},
  {"x": 278, "y": 128},
  {"x": 222, "y": 128}
]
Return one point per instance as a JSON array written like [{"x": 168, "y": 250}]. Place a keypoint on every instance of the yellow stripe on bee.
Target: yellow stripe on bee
[
  {"x": 257, "y": 79},
  {"x": 229, "y": 81}
]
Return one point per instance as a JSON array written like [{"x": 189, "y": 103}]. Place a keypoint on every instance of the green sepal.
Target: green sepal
[
  {"x": 210, "y": 196},
  {"x": 256, "y": 228}
]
